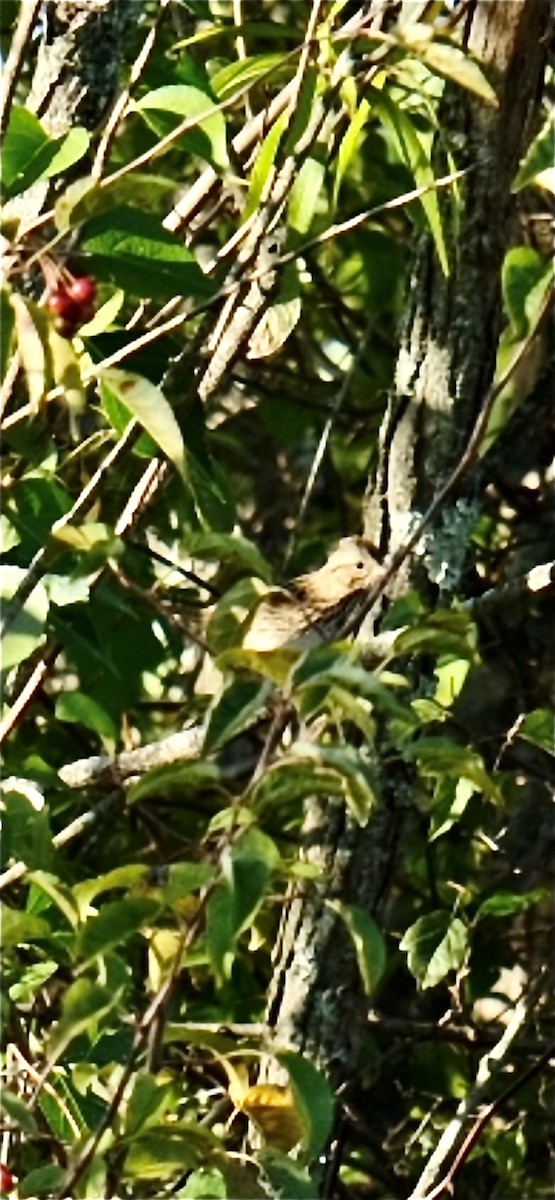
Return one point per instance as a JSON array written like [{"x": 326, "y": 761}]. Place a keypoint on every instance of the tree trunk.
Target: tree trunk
[{"x": 445, "y": 365}]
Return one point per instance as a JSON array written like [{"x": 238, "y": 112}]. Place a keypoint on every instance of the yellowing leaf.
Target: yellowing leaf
[
  {"x": 271, "y": 1107},
  {"x": 148, "y": 404},
  {"x": 31, "y": 349}
]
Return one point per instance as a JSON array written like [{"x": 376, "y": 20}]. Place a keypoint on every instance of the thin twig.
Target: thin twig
[
  {"x": 38, "y": 565},
  {"x": 139, "y": 1042},
  {"x": 325, "y": 435},
  {"x": 28, "y": 12},
  {"x": 446, "y": 1184},
  {"x": 74, "y": 829},
  {"x": 292, "y": 255},
  {"x": 28, "y": 692},
  {"x": 488, "y": 1072},
  {"x": 119, "y": 110}
]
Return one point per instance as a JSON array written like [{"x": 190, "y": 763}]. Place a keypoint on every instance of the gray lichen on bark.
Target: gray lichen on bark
[{"x": 79, "y": 60}]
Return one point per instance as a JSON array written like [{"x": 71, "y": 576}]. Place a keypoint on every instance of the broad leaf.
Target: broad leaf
[
  {"x": 367, "y": 940},
  {"x": 27, "y": 629},
  {"x": 181, "y": 100},
  {"x": 435, "y": 945},
  {"x": 130, "y": 249},
  {"x": 149, "y": 406}
]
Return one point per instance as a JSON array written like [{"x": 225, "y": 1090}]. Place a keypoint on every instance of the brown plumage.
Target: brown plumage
[{"x": 313, "y": 608}]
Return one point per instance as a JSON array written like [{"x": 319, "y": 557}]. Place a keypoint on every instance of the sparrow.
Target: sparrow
[{"x": 312, "y": 609}]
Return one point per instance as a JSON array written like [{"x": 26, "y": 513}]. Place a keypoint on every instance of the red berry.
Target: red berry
[
  {"x": 60, "y": 302},
  {"x": 83, "y": 290},
  {"x": 66, "y": 326},
  {"x": 7, "y": 1181}
]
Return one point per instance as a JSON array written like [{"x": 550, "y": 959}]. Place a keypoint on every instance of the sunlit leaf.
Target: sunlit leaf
[
  {"x": 81, "y": 709},
  {"x": 84, "y": 1004},
  {"x": 416, "y": 156},
  {"x": 279, "y": 318},
  {"x": 435, "y": 945},
  {"x": 538, "y": 163},
  {"x": 115, "y": 923},
  {"x": 31, "y": 333},
  {"x": 349, "y": 145},
  {"x": 149, "y": 406},
  {"x": 304, "y": 195},
  {"x": 367, "y": 940},
  {"x": 182, "y": 100},
  {"x": 314, "y": 1099},
  {"x": 538, "y": 727},
  {"x": 448, "y": 60},
  {"x": 27, "y": 629}
]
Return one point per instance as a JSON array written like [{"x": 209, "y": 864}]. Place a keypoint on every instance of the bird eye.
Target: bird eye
[{"x": 360, "y": 566}]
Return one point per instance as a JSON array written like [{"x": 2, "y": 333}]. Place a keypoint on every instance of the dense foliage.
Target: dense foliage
[{"x": 154, "y": 772}]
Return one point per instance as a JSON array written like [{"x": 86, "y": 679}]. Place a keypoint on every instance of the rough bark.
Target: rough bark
[
  {"x": 445, "y": 365},
  {"x": 77, "y": 71}
]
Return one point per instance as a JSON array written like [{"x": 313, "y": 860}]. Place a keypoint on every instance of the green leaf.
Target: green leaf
[
  {"x": 184, "y": 101},
  {"x": 131, "y": 249},
  {"x": 127, "y": 876},
  {"x": 349, "y": 146},
  {"x": 17, "y": 1110},
  {"x": 229, "y": 548},
  {"x": 226, "y": 625},
  {"x": 262, "y": 170},
  {"x": 356, "y": 779},
  {"x": 304, "y": 196},
  {"x": 451, "y": 805},
  {"x": 59, "y": 893},
  {"x": 238, "y": 707},
  {"x": 247, "y": 870},
  {"x": 42, "y": 1181},
  {"x": 417, "y": 158},
  {"x": 148, "y": 1104},
  {"x": 19, "y": 928},
  {"x": 184, "y": 878},
  {"x": 162, "y": 1152},
  {"x": 367, "y": 940},
  {"x": 73, "y": 147},
  {"x": 27, "y": 630},
  {"x": 115, "y": 923},
  {"x": 149, "y": 406},
  {"x": 84, "y": 1004},
  {"x": 80, "y": 709},
  {"x": 26, "y": 833},
  {"x": 288, "y": 1179},
  {"x": 27, "y": 151},
  {"x": 539, "y": 158},
  {"x": 314, "y": 1099},
  {"x": 435, "y": 945},
  {"x": 7, "y": 321},
  {"x": 31, "y": 980},
  {"x": 440, "y": 756},
  {"x": 235, "y": 75},
  {"x": 525, "y": 279},
  {"x": 207, "y": 1183},
  {"x": 505, "y": 904},
  {"x": 104, "y": 316},
  {"x": 179, "y": 778},
  {"x": 32, "y": 343},
  {"x": 443, "y": 632},
  {"x": 538, "y": 727},
  {"x": 450, "y": 62}
]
